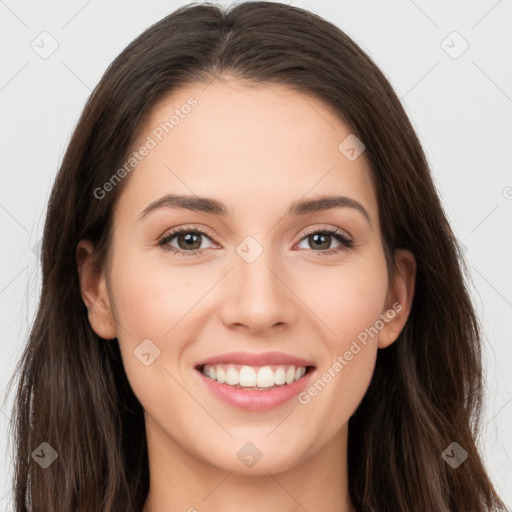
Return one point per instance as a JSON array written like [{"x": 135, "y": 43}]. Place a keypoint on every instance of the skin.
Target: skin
[{"x": 257, "y": 149}]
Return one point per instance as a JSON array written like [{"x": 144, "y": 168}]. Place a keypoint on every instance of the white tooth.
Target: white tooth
[
  {"x": 231, "y": 376},
  {"x": 265, "y": 378},
  {"x": 290, "y": 375},
  {"x": 279, "y": 376},
  {"x": 221, "y": 375},
  {"x": 247, "y": 376}
]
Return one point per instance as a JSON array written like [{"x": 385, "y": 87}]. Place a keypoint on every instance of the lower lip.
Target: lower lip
[{"x": 254, "y": 400}]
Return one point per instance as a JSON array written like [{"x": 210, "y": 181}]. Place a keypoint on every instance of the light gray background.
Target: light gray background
[{"x": 461, "y": 108}]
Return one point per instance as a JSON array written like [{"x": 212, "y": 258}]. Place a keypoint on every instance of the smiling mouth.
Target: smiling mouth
[{"x": 261, "y": 378}]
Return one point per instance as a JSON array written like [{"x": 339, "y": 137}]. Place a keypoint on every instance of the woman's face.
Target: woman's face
[{"x": 264, "y": 277}]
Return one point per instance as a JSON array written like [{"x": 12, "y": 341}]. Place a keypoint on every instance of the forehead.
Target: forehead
[{"x": 254, "y": 147}]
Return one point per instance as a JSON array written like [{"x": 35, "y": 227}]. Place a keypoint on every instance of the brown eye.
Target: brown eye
[
  {"x": 188, "y": 241},
  {"x": 320, "y": 241}
]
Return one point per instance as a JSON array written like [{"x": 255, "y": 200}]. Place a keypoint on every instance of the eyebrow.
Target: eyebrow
[{"x": 214, "y": 207}]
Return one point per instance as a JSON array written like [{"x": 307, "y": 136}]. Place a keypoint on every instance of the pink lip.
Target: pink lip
[
  {"x": 254, "y": 400},
  {"x": 251, "y": 359}
]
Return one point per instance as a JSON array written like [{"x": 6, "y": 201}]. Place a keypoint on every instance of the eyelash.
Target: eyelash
[{"x": 346, "y": 243}]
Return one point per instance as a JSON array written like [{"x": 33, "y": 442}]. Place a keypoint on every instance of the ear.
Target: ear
[
  {"x": 399, "y": 298},
  {"x": 93, "y": 286}
]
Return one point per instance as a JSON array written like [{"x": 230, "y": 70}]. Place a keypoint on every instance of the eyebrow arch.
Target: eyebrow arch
[{"x": 214, "y": 207}]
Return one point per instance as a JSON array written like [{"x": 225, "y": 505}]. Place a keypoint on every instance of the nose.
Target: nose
[{"x": 257, "y": 296}]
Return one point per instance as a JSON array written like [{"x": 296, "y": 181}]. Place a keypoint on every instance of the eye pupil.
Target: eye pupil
[
  {"x": 316, "y": 237},
  {"x": 190, "y": 239}
]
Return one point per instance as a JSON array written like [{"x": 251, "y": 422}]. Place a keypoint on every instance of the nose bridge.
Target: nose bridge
[{"x": 258, "y": 297}]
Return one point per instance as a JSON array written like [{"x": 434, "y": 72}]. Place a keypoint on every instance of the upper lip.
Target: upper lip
[{"x": 252, "y": 359}]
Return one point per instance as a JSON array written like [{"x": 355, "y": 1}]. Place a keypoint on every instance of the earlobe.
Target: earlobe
[
  {"x": 399, "y": 298},
  {"x": 94, "y": 292}
]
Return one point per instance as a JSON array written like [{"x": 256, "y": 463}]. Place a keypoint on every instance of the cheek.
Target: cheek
[
  {"x": 347, "y": 298},
  {"x": 150, "y": 298},
  {"x": 150, "y": 303}
]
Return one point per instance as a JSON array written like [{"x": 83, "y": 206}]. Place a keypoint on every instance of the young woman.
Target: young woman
[{"x": 252, "y": 299}]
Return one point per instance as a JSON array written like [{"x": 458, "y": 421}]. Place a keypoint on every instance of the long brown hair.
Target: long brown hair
[{"x": 426, "y": 392}]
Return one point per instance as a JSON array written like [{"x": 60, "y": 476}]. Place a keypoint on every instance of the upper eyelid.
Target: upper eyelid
[
  {"x": 176, "y": 231},
  {"x": 335, "y": 229}
]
